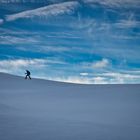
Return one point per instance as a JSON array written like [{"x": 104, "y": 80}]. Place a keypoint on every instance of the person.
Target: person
[{"x": 28, "y": 74}]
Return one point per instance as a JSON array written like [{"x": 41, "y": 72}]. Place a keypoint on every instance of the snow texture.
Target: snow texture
[{"x": 46, "y": 110}]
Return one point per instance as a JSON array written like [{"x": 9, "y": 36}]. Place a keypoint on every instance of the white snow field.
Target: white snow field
[{"x": 46, "y": 110}]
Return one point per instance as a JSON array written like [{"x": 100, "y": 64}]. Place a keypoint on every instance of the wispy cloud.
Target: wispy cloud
[
  {"x": 84, "y": 74},
  {"x": 117, "y": 77},
  {"x": 115, "y": 3},
  {"x": 127, "y": 23},
  {"x": 17, "y": 63},
  {"x": 73, "y": 79},
  {"x": 104, "y": 78},
  {"x": 14, "y": 65},
  {"x": 99, "y": 80},
  {"x": 101, "y": 64},
  {"x": 6, "y": 39},
  {"x": 27, "y": 1},
  {"x": 21, "y": 63},
  {"x": 46, "y": 11},
  {"x": 9, "y": 1},
  {"x": 1, "y": 21}
]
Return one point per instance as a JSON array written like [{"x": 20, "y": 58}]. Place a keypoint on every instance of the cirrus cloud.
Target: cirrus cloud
[
  {"x": 46, "y": 11},
  {"x": 115, "y": 3}
]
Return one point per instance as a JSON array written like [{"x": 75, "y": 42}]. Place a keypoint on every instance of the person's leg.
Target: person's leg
[
  {"x": 29, "y": 77},
  {"x": 26, "y": 77}
]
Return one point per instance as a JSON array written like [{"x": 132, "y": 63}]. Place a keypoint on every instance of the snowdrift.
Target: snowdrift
[{"x": 47, "y": 110}]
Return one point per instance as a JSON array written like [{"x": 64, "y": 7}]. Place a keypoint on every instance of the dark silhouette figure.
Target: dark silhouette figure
[{"x": 28, "y": 74}]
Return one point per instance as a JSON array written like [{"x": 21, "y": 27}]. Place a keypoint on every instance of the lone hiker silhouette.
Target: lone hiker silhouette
[{"x": 27, "y": 74}]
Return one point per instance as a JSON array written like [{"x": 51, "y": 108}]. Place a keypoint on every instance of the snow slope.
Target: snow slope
[{"x": 46, "y": 110}]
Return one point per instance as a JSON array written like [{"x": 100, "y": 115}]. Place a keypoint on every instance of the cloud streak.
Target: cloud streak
[
  {"x": 46, "y": 11},
  {"x": 118, "y": 77},
  {"x": 17, "y": 63},
  {"x": 116, "y": 3},
  {"x": 21, "y": 63}
]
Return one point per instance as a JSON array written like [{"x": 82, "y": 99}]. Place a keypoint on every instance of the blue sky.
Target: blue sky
[{"x": 81, "y": 41}]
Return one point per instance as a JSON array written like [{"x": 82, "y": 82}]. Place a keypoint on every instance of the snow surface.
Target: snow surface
[{"x": 46, "y": 110}]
